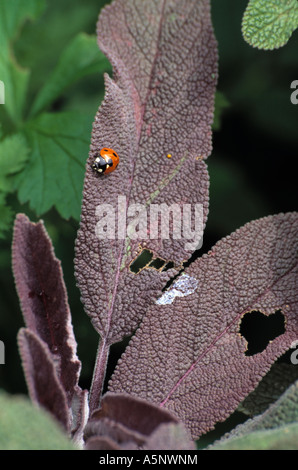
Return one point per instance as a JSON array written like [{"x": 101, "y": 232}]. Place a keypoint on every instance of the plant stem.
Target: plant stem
[{"x": 98, "y": 375}]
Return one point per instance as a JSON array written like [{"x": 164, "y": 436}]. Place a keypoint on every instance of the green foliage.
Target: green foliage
[
  {"x": 81, "y": 57},
  {"x": 281, "y": 438},
  {"x": 13, "y": 156},
  {"x": 54, "y": 174},
  {"x": 268, "y": 24},
  {"x": 25, "y": 427},
  {"x": 42, "y": 155},
  {"x": 12, "y": 15},
  {"x": 276, "y": 428},
  {"x": 6, "y": 215}
]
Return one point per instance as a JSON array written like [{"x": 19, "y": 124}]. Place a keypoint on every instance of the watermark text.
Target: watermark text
[
  {"x": 294, "y": 94},
  {"x": 2, "y": 353},
  {"x": 2, "y": 92},
  {"x": 179, "y": 221}
]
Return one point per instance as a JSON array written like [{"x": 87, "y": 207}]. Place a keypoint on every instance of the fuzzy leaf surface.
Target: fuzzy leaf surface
[
  {"x": 271, "y": 387},
  {"x": 43, "y": 298},
  {"x": 281, "y": 413},
  {"x": 188, "y": 354},
  {"x": 24, "y": 427},
  {"x": 41, "y": 376},
  {"x": 130, "y": 423},
  {"x": 281, "y": 438},
  {"x": 159, "y": 102}
]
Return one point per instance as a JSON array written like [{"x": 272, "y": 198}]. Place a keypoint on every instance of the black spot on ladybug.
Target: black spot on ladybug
[{"x": 105, "y": 161}]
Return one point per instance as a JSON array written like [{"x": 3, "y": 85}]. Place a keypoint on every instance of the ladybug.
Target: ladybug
[{"x": 105, "y": 162}]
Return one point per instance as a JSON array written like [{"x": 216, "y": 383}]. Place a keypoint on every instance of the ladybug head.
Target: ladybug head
[{"x": 99, "y": 165}]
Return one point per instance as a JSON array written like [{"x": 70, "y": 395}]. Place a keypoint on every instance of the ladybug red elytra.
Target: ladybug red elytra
[{"x": 105, "y": 162}]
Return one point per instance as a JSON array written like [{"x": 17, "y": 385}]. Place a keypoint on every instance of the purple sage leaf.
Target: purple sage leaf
[
  {"x": 189, "y": 355},
  {"x": 128, "y": 422},
  {"x": 43, "y": 298},
  {"x": 159, "y": 103},
  {"x": 43, "y": 383}
]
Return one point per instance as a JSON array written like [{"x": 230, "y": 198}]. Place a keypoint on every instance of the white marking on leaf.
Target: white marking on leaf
[{"x": 184, "y": 286}]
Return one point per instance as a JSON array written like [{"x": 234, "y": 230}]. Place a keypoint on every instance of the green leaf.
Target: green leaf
[
  {"x": 25, "y": 427},
  {"x": 6, "y": 216},
  {"x": 54, "y": 174},
  {"x": 81, "y": 57},
  {"x": 15, "y": 79},
  {"x": 283, "y": 411},
  {"x": 278, "y": 379},
  {"x": 268, "y": 24},
  {"x": 281, "y": 438},
  {"x": 13, "y": 156},
  {"x": 13, "y": 14},
  {"x": 276, "y": 428}
]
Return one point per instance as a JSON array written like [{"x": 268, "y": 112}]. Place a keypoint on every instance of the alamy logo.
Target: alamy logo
[
  {"x": 294, "y": 95},
  {"x": 2, "y": 93},
  {"x": 2, "y": 353},
  {"x": 294, "y": 355},
  {"x": 151, "y": 221}
]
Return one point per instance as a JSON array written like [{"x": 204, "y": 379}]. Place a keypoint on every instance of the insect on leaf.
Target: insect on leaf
[{"x": 159, "y": 103}]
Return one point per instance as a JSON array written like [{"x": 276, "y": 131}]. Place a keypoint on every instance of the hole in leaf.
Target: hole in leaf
[
  {"x": 141, "y": 261},
  {"x": 168, "y": 266},
  {"x": 259, "y": 329},
  {"x": 157, "y": 263},
  {"x": 146, "y": 260}
]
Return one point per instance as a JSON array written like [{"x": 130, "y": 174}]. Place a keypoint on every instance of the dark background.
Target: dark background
[{"x": 252, "y": 166}]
